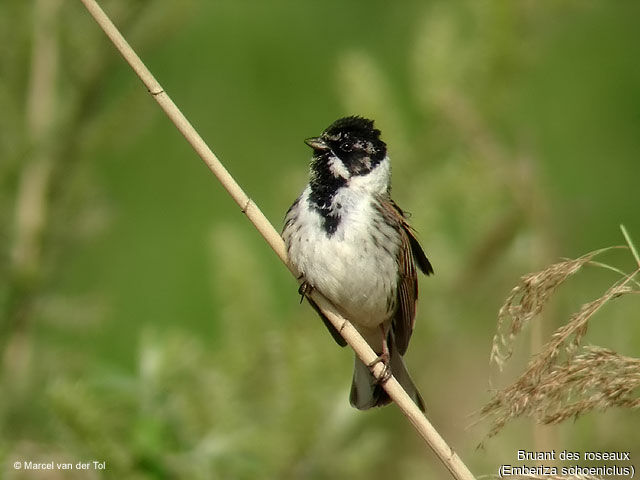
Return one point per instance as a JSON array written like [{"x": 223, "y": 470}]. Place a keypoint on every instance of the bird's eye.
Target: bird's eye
[{"x": 346, "y": 146}]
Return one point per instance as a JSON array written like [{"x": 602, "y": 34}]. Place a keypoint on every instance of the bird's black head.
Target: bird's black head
[
  {"x": 348, "y": 154},
  {"x": 354, "y": 141}
]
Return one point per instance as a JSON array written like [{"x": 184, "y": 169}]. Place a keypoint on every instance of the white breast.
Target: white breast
[{"x": 356, "y": 267}]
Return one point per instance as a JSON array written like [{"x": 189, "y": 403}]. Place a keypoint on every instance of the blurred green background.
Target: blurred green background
[{"x": 146, "y": 324}]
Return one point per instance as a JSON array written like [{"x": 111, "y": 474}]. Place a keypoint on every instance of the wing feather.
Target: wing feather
[{"x": 410, "y": 254}]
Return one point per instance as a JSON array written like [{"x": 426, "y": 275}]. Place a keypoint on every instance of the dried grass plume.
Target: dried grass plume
[{"x": 564, "y": 379}]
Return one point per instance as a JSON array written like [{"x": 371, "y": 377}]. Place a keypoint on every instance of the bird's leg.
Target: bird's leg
[
  {"x": 384, "y": 357},
  {"x": 305, "y": 288}
]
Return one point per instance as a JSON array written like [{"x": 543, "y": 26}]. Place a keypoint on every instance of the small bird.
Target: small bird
[{"x": 348, "y": 239}]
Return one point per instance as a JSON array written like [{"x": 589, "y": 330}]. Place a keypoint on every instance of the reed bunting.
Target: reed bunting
[{"x": 349, "y": 240}]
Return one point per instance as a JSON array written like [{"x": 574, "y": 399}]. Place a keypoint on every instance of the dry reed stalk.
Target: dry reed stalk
[{"x": 446, "y": 455}]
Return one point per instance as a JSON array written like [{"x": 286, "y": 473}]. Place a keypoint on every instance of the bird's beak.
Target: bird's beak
[{"x": 317, "y": 143}]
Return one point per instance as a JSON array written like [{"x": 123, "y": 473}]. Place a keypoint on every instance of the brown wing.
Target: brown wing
[
  {"x": 410, "y": 254},
  {"x": 416, "y": 249}
]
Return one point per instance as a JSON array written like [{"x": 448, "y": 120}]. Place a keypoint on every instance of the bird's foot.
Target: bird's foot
[
  {"x": 386, "y": 371},
  {"x": 305, "y": 289}
]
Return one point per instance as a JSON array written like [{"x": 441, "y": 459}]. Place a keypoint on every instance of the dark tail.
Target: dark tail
[{"x": 366, "y": 392}]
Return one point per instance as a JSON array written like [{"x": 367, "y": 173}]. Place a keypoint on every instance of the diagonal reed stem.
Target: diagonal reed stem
[{"x": 446, "y": 455}]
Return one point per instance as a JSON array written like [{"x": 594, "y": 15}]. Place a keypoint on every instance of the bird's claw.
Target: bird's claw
[
  {"x": 305, "y": 289},
  {"x": 386, "y": 371}
]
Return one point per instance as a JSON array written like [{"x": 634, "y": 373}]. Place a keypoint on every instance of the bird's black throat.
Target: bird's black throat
[{"x": 324, "y": 186}]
